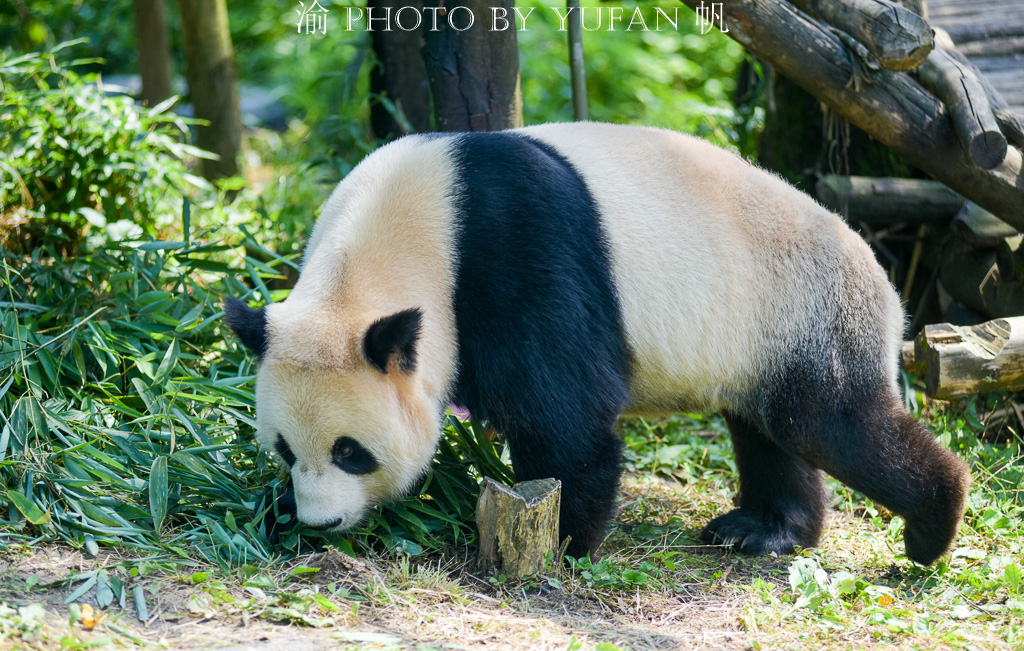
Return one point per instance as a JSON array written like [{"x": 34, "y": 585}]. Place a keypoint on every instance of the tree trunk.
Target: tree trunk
[
  {"x": 398, "y": 80},
  {"x": 474, "y": 71},
  {"x": 212, "y": 82},
  {"x": 154, "y": 54}
]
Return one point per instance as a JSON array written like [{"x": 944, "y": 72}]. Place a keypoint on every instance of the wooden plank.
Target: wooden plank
[
  {"x": 982, "y": 7},
  {"x": 984, "y": 31},
  {"x": 957, "y": 362},
  {"x": 1011, "y": 62}
]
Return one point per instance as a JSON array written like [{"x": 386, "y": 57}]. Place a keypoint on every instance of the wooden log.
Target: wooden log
[
  {"x": 979, "y": 228},
  {"x": 957, "y": 362},
  {"x": 972, "y": 277},
  {"x": 896, "y": 36},
  {"x": 893, "y": 109},
  {"x": 518, "y": 526},
  {"x": 886, "y": 200},
  {"x": 1011, "y": 124},
  {"x": 959, "y": 88}
]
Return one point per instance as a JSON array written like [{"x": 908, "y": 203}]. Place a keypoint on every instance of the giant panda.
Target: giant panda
[{"x": 551, "y": 278}]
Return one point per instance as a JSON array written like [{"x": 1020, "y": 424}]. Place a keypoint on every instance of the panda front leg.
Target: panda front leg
[
  {"x": 589, "y": 469},
  {"x": 781, "y": 503}
]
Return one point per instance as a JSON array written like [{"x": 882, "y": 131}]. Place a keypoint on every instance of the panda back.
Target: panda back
[{"x": 725, "y": 273}]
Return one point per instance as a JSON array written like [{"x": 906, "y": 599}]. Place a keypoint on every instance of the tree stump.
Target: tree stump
[{"x": 518, "y": 526}]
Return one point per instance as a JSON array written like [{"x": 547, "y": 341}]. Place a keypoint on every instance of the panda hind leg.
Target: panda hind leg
[
  {"x": 781, "y": 502},
  {"x": 876, "y": 447}
]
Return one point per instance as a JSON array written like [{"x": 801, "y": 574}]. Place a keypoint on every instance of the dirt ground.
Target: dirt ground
[{"x": 716, "y": 600}]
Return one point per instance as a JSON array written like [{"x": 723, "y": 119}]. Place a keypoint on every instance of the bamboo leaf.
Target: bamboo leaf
[
  {"x": 158, "y": 491},
  {"x": 27, "y": 507}
]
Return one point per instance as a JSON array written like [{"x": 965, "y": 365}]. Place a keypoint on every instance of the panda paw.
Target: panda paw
[{"x": 751, "y": 533}]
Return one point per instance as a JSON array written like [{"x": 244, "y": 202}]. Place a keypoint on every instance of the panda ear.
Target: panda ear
[
  {"x": 394, "y": 336},
  {"x": 249, "y": 324}
]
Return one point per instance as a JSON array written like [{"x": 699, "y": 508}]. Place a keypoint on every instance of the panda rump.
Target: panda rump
[{"x": 552, "y": 278}]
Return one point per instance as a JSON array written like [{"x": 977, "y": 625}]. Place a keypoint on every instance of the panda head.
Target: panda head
[{"x": 341, "y": 403}]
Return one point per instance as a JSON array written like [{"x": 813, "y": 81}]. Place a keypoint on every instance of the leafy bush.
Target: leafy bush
[{"x": 76, "y": 158}]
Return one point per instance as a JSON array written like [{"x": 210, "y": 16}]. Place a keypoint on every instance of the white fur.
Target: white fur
[{"x": 719, "y": 266}]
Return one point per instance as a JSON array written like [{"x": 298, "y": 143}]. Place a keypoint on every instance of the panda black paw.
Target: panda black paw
[{"x": 755, "y": 534}]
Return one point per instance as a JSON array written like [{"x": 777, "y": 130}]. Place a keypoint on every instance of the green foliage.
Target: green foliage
[
  {"x": 127, "y": 417},
  {"x": 690, "y": 448},
  {"x": 667, "y": 77},
  {"x": 76, "y": 158},
  {"x": 104, "y": 29}
]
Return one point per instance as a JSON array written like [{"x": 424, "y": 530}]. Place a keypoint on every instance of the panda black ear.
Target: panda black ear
[
  {"x": 394, "y": 336},
  {"x": 249, "y": 324}
]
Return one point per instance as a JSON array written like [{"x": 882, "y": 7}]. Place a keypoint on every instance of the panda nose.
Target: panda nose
[{"x": 326, "y": 525}]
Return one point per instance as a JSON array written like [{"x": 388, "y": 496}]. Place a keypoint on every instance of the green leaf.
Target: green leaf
[
  {"x": 160, "y": 246},
  {"x": 82, "y": 589},
  {"x": 158, "y": 491},
  {"x": 32, "y": 513},
  {"x": 141, "y": 610},
  {"x": 186, "y": 219},
  {"x": 104, "y": 593}
]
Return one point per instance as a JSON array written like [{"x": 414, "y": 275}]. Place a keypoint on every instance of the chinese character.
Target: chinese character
[
  {"x": 706, "y": 17},
  {"x": 314, "y": 18}
]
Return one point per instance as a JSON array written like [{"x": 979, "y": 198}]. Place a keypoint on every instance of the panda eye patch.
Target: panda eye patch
[
  {"x": 349, "y": 455},
  {"x": 283, "y": 451}
]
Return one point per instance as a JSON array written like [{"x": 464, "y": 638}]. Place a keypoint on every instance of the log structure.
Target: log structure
[
  {"x": 518, "y": 526},
  {"x": 958, "y": 86},
  {"x": 960, "y": 361},
  {"x": 890, "y": 106},
  {"x": 991, "y": 34}
]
